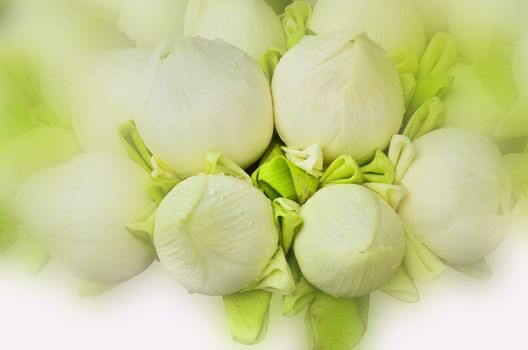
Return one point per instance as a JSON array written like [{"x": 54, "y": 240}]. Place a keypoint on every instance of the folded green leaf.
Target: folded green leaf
[
  {"x": 426, "y": 89},
  {"x": 380, "y": 169},
  {"x": 401, "y": 154},
  {"x": 277, "y": 276},
  {"x": 402, "y": 287},
  {"x": 278, "y": 177},
  {"x": 278, "y": 5},
  {"x": 392, "y": 194},
  {"x": 439, "y": 56},
  {"x": 217, "y": 163},
  {"x": 408, "y": 82},
  {"x": 304, "y": 295},
  {"x": 269, "y": 60},
  {"x": 288, "y": 220},
  {"x": 406, "y": 62},
  {"x": 248, "y": 315},
  {"x": 343, "y": 170},
  {"x": 295, "y": 20},
  {"x": 427, "y": 117},
  {"x": 336, "y": 324},
  {"x": 419, "y": 262},
  {"x": 134, "y": 145},
  {"x": 158, "y": 188}
]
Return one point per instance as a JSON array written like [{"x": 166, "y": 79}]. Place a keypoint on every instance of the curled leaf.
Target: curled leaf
[
  {"x": 402, "y": 287},
  {"x": 401, "y": 154},
  {"x": 419, "y": 262},
  {"x": 428, "y": 117},
  {"x": 134, "y": 145},
  {"x": 269, "y": 60},
  {"x": 288, "y": 220},
  {"x": 295, "y": 20},
  {"x": 217, "y": 163}
]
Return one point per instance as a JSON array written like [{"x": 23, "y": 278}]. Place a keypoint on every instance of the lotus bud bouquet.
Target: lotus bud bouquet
[{"x": 315, "y": 151}]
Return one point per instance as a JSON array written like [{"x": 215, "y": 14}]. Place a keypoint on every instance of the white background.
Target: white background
[{"x": 152, "y": 312}]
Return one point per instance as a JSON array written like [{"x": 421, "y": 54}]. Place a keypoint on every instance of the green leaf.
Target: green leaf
[
  {"x": 428, "y": 88},
  {"x": 428, "y": 117},
  {"x": 303, "y": 295},
  {"x": 248, "y": 315},
  {"x": 295, "y": 20},
  {"x": 134, "y": 145},
  {"x": 143, "y": 230},
  {"x": 392, "y": 194},
  {"x": 278, "y": 177},
  {"x": 217, "y": 163},
  {"x": 380, "y": 169},
  {"x": 439, "y": 56},
  {"x": 479, "y": 270},
  {"x": 158, "y": 188},
  {"x": 336, "y": 323},
  {"x": 277, "y": 276},
  {"x": 408, "y": 83},
  {"x": 401, "y": 154},
  {"x": 288, "y": 221},
  {"x": 402, "y": 287},
  {"x": 406, "y": 62},
  {"x": 269, "y": 60},
  {"x": 419, "y": 262},
  {"x": 343, "y": 170}
]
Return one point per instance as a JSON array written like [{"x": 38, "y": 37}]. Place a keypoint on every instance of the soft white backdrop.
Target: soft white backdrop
[{"x": 152, "y": 312}]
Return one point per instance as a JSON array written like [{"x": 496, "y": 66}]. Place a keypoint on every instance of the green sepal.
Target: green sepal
[
  {"x": 143, "y": 230},
  {"x": 88, "y": 289},
  {"x": 439, "y": 56},
  {"x": 402, "y": 287},
  {"x": 269, "y": 60},
  {"x": 392, "y": 194},
  {"x": 401, "y": 154},
  {"x": 159, "y": 188},
  {"x": 134, "y": 145},
  {"x": 303, "y": 295},
  {"x": 336, "y": 323},
  {"x": 380, "y": 169},
  {"x": 479, "y": 270},
  {"x": 288, "y": 220},
  {"x": 432, "y": 79},
  {"x": 406, "y": 62},
  {"x": 427, "y": 117},
  {"x": 408, "y": 83},
  {"x": 277, "y": 277},
  {"x": 428, "y": 88},
  {"x": 295, "y": 20},
  {"x": 248, "y": 315},
  {"x": 419, "y": 262},
  {"x": 343, "y": 170},
  {"x": 218, "y": 163},
  {"x": 277, "y": 177}
]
